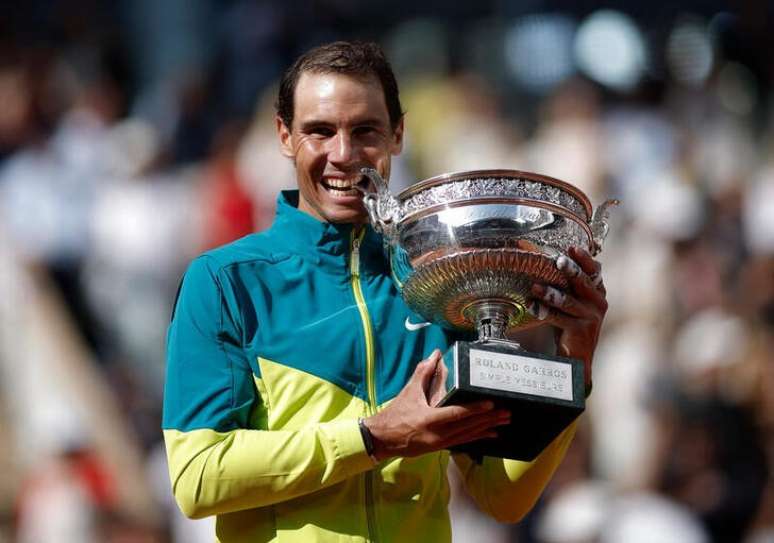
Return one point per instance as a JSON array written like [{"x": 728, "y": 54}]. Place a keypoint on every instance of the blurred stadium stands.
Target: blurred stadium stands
[{"x": 136, "y": 133}]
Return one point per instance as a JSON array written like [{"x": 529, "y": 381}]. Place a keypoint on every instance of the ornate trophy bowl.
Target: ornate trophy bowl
[{"x": 465, "y": 249}]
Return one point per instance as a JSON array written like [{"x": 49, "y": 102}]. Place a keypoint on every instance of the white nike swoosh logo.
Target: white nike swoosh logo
[{"x": 413, "y": 327}]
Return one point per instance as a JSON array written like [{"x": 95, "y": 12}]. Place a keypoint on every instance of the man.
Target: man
[{"x": 295, "y": 409}]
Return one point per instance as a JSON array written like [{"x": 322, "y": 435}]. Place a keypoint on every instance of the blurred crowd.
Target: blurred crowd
[{"x": 136, "y": 135}]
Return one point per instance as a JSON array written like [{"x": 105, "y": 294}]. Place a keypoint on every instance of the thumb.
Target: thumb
[
  {"x": 438, "y": 389},
  {"x": 425, "y": 370}
]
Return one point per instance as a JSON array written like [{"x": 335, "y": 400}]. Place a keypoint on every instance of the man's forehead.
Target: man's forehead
[
  {"x": 326, "y": 84},
  {"x": 333, "y": 86}
]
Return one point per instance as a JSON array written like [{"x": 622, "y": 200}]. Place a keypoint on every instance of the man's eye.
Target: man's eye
[
  {"x": 321, "y": 131},
  {"x": 364, "y": 130}
]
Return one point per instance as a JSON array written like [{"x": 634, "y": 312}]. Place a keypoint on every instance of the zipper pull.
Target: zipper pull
[{"x": 354, "y": 266}]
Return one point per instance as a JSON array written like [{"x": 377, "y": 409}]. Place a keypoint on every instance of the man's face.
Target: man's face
[{"x": 340, "y": 125}]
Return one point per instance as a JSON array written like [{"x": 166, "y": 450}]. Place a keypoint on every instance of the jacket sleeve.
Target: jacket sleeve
[
  {"x": 508, "y": 489},
  {"x": 221, "y": 456}
]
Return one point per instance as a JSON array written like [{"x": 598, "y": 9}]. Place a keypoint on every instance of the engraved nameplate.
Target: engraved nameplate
[{"x": 522, "y": 374}]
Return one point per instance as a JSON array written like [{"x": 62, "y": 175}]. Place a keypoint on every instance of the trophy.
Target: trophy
[{"x": 464, "y": 250}]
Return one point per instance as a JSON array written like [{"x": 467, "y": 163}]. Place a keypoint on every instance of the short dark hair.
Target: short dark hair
[{"x": 358, "y": 59}]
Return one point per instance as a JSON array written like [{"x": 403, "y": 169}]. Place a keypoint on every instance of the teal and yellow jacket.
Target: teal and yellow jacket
[{"x": 278, "y": 343}]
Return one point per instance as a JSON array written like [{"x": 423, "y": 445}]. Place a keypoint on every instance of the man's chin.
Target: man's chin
[
  {"x": 347, "y": 217},
  {"x": 344, "y": 210},
  {"x": 336, "y": 211}
]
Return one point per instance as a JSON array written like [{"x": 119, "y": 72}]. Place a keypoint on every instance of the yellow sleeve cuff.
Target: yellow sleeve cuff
[{"x": 345, "y": 434}]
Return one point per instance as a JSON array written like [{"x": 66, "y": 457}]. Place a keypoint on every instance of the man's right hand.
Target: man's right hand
[{"x": 411, "y": 426}]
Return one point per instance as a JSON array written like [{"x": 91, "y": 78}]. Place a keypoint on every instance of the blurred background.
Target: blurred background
[{"x": 135, "y": 134}]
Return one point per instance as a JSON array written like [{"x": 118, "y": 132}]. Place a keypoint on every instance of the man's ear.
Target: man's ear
[
  {"x": 285, "y": 138},
  {"x": 397, "y": 138}
]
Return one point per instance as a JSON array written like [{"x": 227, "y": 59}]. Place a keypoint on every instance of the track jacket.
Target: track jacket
[{"x": 278, "y": 343}]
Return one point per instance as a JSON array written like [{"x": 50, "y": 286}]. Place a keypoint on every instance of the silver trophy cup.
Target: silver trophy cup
[{"x": 464, "y": 250}]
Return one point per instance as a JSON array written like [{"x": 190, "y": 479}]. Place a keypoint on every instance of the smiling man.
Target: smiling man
[
  {"x": 338, "y": 124},
  {"x": 299, "y": 401}
]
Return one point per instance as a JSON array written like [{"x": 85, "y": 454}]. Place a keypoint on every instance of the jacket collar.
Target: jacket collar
[{"x": 328, "y": 244}]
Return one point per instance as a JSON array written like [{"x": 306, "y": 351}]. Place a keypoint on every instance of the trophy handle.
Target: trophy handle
[
  {"x": 384, "y": 211},
  {"x": 600, "y": 225}
]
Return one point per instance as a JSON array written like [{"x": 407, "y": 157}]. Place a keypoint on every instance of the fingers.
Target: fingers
[
  {"x": 472, "y": 428},
  {"x": 561, "y": 320},
  {"x": 555, "y": 299},
  {"x": 458, "y": 413},
  {"x": 548, "y": 315},
  {"x": 425, "y": 371},
  {"x": 438, "y": 385},
  {"x": 470, "y": 437},
  {"x": 586, "y": 297},
  {"x": 580, "y": 282},
  {"x": 539, "y": 311},
  {"x": 590, "y": 266},
  {"x": 478, "y": 423}
]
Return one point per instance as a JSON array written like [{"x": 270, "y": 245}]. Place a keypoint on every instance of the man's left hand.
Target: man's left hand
[{"x": 577, "y": 312}]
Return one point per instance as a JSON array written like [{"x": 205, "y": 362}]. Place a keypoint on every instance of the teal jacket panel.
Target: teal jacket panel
[{"x": 286, "y": 295}]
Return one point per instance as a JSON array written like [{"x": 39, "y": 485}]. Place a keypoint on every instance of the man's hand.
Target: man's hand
[
  {"x": 577, "y": 313},
  {"x": 410, "y": 426}
]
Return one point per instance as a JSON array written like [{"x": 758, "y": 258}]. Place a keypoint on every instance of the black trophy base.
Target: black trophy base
[{"x": 543, "y": 393}]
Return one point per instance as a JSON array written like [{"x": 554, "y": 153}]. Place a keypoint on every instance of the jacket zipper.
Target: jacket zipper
[{"x": 354, "y": 268}]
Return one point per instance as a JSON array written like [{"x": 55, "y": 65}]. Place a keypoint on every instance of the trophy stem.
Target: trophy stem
[{"x": 492, "y": 317}]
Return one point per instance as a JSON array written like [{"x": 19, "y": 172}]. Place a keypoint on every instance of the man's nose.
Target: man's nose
[{"x": 341, "y": 148}]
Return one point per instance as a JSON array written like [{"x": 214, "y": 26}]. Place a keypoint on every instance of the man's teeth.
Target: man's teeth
[{"x": 342, "y": 184}]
